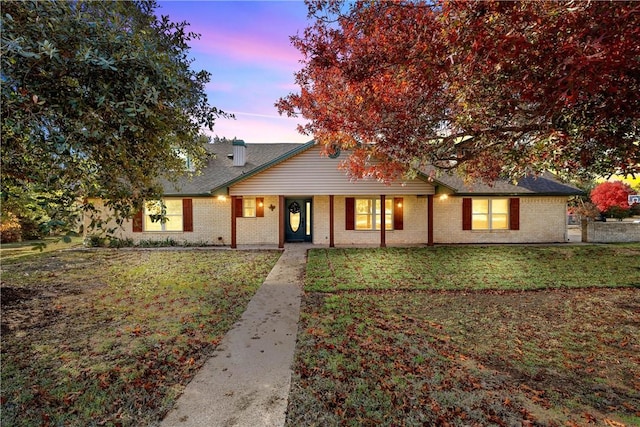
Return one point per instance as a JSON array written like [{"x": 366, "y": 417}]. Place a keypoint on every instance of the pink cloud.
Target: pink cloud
[
  {"x": 289, "y": 87},
  {"x": 254, "y": 128},
  {"x": 248, "y": 48}
]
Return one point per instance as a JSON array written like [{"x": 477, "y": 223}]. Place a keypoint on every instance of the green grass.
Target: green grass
[
  {"x": 13, "y": 250},
  {"x": 498, "y": 335},
  {"x": 473, "y": 268},
  {"x": 111, "y": 337},
  {"x": 463, "y": 336}
]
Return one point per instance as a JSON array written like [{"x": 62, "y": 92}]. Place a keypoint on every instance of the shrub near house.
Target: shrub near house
[{"x": 612, "y": 199}]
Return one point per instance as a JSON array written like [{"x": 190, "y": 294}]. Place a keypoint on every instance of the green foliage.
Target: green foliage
[
  {"x": 98, "y": 101},
  {"x": 166, "y": 242},
  {"x": 104, "y": 240},
  {"x": 40, "y": 211},
  {"x": 121, "y": 243},
  {"x": 96, "y": 241},
  {"x": 10, "y": 228}
]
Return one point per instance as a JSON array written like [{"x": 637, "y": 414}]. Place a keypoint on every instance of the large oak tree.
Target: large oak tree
[
  {"x": 98, "y": 99},
  {"x": 496, "y": 89}
]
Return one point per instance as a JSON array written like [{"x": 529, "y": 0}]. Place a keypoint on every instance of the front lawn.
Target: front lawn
[
  {"x": 474, "y": 268},
  {"x": 470, "y": 336},
  {"x": 111, "y": 337},
  {"x": 18, "y": 249}
]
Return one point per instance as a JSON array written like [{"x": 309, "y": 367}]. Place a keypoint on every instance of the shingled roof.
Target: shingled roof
[
  {"x": 219, "y": 172},
  {"x": 546, "y": 184}
]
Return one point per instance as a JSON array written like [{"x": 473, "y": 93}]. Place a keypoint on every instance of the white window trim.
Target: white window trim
[
  {"x": 490, "y": 214},
  {"x": 245, "y": 207},
  {"x": 163, "y": 225},
  {"x": 374, "y": 214}
]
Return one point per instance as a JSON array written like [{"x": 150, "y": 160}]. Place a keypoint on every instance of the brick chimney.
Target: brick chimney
[{"x": 239, "y": 152}]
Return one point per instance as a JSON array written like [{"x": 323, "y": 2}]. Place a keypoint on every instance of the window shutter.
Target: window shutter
[
  {"x": 466, "y": 213},
  {"x": 239, "y": 207},
  {"x": 187, "y": 214},
  {"x": 514, "y": 213},
  {"x": 259, "y": 207},
  {"x": 350, "y": 213},
  {"x": 398, "y": 207},
  {"x": 137, "y": 222}
]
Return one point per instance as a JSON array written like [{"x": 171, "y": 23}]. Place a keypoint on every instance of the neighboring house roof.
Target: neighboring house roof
[
  {"x": 219, "y": 172},
  {"x": 546, "y": 184}
]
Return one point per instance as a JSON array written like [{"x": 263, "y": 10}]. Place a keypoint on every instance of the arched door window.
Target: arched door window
[{"x": 294, "y": 216}]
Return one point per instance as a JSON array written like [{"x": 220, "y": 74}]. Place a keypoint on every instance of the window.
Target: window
[
  {"x": 490, "y": 214},
  {"x": 154, "y": 212},
  {"x": 368, "y": 214},
  {"x": 189, "y": 164},
  {"x": 248, "y": 207}
]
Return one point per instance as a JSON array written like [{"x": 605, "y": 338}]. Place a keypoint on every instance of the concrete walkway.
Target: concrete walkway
[{"x": 246, "y": 382}]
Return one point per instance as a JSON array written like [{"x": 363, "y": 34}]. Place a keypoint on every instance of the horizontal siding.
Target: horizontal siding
[{"x": 311, "y": 174}]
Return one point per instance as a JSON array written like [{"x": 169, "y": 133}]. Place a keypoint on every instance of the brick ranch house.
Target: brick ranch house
[{"x": 269, "y": 194}]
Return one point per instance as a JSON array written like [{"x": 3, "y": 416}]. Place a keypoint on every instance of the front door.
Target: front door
[{"x": 298, "y": 220}]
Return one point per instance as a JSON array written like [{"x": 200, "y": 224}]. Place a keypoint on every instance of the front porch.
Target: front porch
[{"x": 331, "y": 220}]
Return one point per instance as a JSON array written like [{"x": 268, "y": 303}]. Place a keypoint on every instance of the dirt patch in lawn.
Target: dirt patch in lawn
[
  {"x": 469, "y": 358},
  {"x": 30, "y": 290}
]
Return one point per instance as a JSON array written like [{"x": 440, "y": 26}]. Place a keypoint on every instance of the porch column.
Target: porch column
[
  {"x": 383, "y": 226},
  {"x": 430, "y": 220},
  {"x": 281, "y": 222},
  {"x": 331, "y": 242},
  {"x": 234, "y": 214}
]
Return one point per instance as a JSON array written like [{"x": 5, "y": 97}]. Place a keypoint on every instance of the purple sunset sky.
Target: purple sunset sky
[{"x": 245, "y": 46}]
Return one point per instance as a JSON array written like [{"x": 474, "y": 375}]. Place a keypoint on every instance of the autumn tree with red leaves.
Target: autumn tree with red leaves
[
  {"x": 611, "y": 198},
  {"x": 496, "y": 89}
]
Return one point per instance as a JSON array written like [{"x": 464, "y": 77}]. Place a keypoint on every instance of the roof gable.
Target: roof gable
[
  {"x": 310, "y": 172},
  {"x": 219, "y": 172}
]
